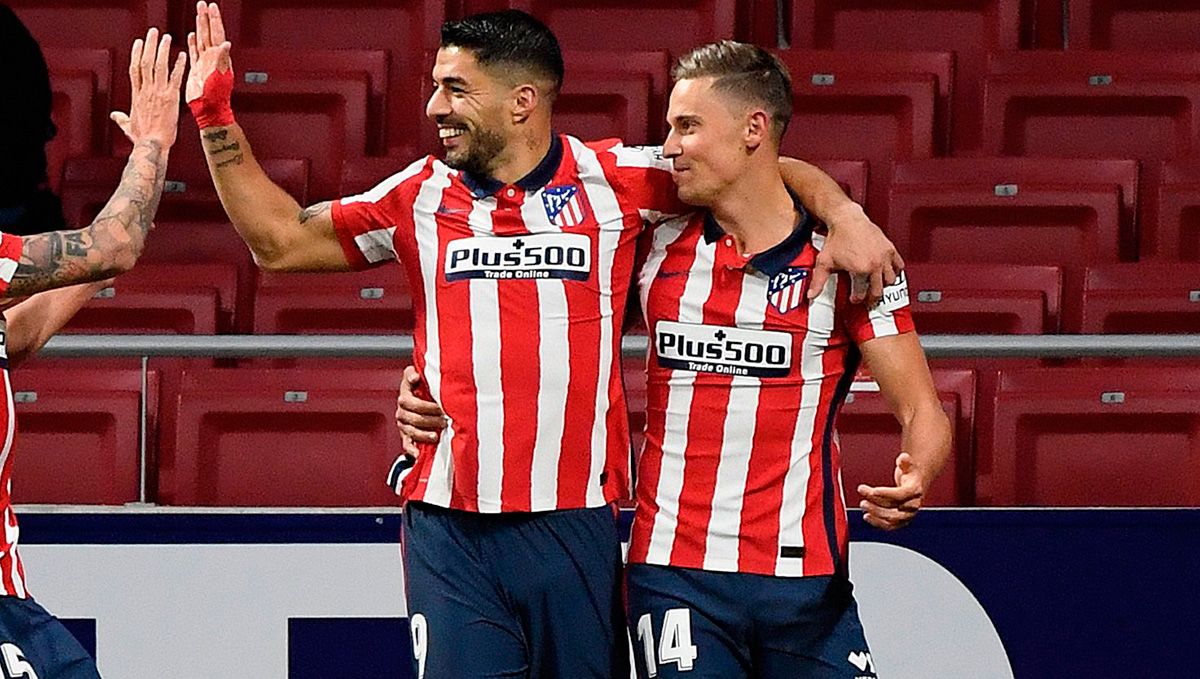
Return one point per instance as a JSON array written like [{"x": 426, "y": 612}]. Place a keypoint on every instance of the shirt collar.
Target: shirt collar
[
  {"x": 483, "y": 186},
  {"x": 780, "y": 256}
]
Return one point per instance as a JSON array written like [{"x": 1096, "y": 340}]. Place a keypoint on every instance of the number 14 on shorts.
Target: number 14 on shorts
[{"x": 674, "y": 644}]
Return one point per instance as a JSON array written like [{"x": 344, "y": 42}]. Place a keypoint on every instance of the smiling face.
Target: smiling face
[
  {"x": 707, "y": 141},
  {"x": 470, "y": 108}
]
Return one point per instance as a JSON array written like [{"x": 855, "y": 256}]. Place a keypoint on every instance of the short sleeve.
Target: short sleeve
[
  {"x": 366, "y": 224},
  {"x": 643, "y": 177},
  {"x": 890, "y": 316},
  {"x": 10, "y": 257}
]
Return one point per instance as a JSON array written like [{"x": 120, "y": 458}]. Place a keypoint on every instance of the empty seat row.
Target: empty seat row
[{"x": 325, "y": 436}]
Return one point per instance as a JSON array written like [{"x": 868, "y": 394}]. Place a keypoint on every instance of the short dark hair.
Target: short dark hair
[
  {"x": 746, "y": 71},
  {"x": 509, "y": 38}
]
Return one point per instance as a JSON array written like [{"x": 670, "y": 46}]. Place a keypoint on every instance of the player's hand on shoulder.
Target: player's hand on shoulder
[
  {"x": 856, "y": 245},
  {"x": 208, "y": 49},
  {"x": 420, "y": 421},
  {"x": 892, "y": 507},
  {"x": 154, "y": 107}
]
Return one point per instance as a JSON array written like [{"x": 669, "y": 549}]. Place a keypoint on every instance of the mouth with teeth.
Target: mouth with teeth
[{"x": 447, "y": 133}]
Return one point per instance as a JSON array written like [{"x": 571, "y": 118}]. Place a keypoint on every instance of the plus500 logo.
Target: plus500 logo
[
  {"x": 531, "y": 256},
  {"x": 718, "y": 349}
]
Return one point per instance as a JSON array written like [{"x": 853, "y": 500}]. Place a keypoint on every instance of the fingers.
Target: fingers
[
  {"x": 135, "y": 65},
  {"x": 860, "y": 284},
  {"x": 215, "y": 26},
  {"x": 177, "y": 72},
  {"x": 875, "y": 291},
  {"x": 193, "y": 51},
  {"x": 820, "y": 276},
  {"x": 897, "y": 261},
  {"x": 886, "y": 518},
  {"x": 224, "y": 63},
  {"x": 162, "y": 60},
  {"x": 889, "y": 272},
  {"x": 149, "y": 52},
  {"x": 903, "y": 495},
  {"x": 410, "y": 446},
  {"x": 203, "y": 34}
]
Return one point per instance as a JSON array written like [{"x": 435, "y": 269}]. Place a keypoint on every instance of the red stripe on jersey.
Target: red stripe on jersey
[
  {"x": 705, "y": 435},
  {"x": 679, "y": 257},
  {"x": 520, "y": 412}
]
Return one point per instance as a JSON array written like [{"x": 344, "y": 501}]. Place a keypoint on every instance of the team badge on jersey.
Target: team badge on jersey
[
  {"x": 563, "y": 206},
  {"x": 786, "y": 289}
]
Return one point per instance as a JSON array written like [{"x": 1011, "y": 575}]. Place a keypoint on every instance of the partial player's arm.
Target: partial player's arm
[
  {"x": 855, "y": 244},
  {"x": 898, "y": 365},
  {"x": 32, "y": 322},
  {"x": 282, "y": 235},
  {"x": 113, "y": 242}
]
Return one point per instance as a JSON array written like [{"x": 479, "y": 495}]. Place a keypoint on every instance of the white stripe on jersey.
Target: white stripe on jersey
[
  {"x": 12, "y": 534},
  {"x": 610, "y": 217},
  {"x": 883, "y": 322},
  {"x": 8, "y": 268},
  {"x": 485, "y": 360},
  {"x": 378, "y": 245},
  {"x": 385, "y": 187},
  {"x": 795, "y": 483},
  {"x": 737, "y": 441},
  {"x": 441, "y": 473},
  {"x": 663, "y": 236},
  {"x": 679, "y": 406},
  {"x": 554, "y": 372},
  {"x": 649, "y": 157}
]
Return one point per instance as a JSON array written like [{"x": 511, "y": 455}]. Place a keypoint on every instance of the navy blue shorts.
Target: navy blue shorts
[
  {"x": 35, "y": 643},
  {"x": 528, "y": 596},
  {"x": 695, "y": 624}
]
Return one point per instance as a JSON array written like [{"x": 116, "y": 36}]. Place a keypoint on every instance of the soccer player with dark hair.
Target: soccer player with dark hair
[
  {"x": 58, "y": 272},
  {"x": 519, "y": 246}
]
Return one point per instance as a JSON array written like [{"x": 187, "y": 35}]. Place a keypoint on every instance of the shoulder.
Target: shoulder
[{"x": 399, "y": 186}]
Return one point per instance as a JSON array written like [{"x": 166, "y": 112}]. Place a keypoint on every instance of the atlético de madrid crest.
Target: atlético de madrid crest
[
  {"x": 563, "y": 206},
  {"x": 787, "y": 288}
]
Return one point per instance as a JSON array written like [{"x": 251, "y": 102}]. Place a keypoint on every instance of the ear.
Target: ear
[
  {"x": 758, "y": 128},
  {"x": 525, "y": 100}
]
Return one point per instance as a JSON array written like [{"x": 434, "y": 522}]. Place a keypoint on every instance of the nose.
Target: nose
[
  {"x": 438, "y": 105},
  {"x": 672, "y": 147}
]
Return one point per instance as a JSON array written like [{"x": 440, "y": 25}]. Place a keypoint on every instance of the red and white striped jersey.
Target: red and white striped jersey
[
  {"x": 740, "y": 470},
  {"x": 519, "y": 294},
  {"x": 12, "y": 572}
]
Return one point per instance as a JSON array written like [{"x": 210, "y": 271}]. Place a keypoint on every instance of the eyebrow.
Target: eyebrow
[
  {"x": 685, "y": 118},
  {"x": 450, "y": 80}
]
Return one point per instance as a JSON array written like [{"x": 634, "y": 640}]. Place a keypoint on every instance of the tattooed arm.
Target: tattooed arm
[
  {"x": 110, "y": 245},
  {"x": 282, "y": 236}
]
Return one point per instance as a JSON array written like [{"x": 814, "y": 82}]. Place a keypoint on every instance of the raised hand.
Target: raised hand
[
  {"x": 154, "y": 111},
  {"x": 207, "y": 48}
]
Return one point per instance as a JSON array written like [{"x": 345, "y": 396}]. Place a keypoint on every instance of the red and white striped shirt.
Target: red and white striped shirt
[
  {"x": 12, "y": 572},
  {"x": 740, "y": 471},
  {"x": 519, "y": 292}
]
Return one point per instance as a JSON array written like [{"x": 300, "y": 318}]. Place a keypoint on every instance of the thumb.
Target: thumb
[
  {"x": 903, "y": 466},
  {"x": 820, "y": 276},
  {"x": 224, "y": 62},
  {"x": 122, "y": 121},
  {"x": 411, "y": 376}
]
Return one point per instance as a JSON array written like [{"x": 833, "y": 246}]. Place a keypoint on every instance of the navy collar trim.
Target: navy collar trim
[
  {"x": 777, "y": 258},
  {"x": 482, "y": 187}
]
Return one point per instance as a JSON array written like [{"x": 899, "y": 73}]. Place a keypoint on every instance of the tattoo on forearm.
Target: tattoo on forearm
[
  {"x": 216, "y": 135},
  {"x": 104, "y": 248},
  {"x": 236, "y": 160},
  {"x": 314, "y": 210},
  {"x": 220, "y": 151}
]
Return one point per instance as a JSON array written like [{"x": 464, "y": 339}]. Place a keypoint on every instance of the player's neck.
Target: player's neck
[
  {"x": 524, "y": 154},
  {"x": 757, "y": 211}
]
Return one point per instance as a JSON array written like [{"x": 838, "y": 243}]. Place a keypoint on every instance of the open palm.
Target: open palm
[{"x": 207, "y": 48}]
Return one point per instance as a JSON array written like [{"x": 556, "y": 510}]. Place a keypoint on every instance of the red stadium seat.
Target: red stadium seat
[
  {"x": 1146, "y": 24},
  {"x": 372, "y": 302},
  {"x": 72, "y": 103},
  {"x": 1176, "y": 232},
  {"x": 208, "y": 242},
  {"x": 810, "y": 64},
  {"x": 249, "y": 437},
  {"x": 79, "y": 433},
  {"x": 986, "y": 299},
  {"x": 870, "y": 438},
  {"x": 626, "y": 24},
  {"x": 851, "y": 174},
  {"x": 878, "y": 119},
  {"x": 158, "y": 299},
  {"x": 1142, "y": 298},
  {"x": 363, "y": 174},
  {"x": 963, "y": 223},
  {"x": 112, "y": 25},
  {"x": 624, "y": 81},
  {"x": 1015, "y": 173},
  {"x": 404, "y": 29},
  {"x": 969, "y": 29},
  {"x": 1092, "y": 105},
  {"x": 256, "y": 65},
  {"x": 1092, "y": 436},
  {"x": 74, "y": 64}
]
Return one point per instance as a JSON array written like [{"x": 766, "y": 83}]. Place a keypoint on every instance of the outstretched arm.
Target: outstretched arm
[
  {"x": 113, "y": 242},
  {"x": 32, "y": 322},
  {"x": 282, "y": 236},
  {"x": 855, "y": 244}
]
